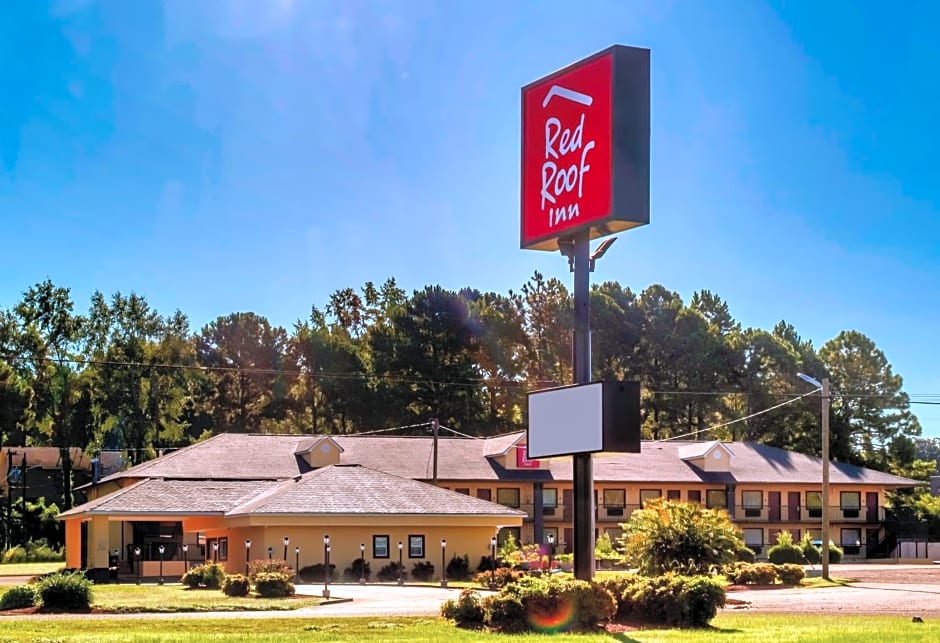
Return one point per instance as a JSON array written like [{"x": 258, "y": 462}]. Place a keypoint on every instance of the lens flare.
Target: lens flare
[{"x": 555, "y": 616}]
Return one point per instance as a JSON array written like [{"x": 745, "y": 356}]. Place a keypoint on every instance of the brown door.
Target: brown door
[
  {"x": 871, "y": 506},
  {"x": 569, "y": 540},
  {"x": 484, "y": 494},
  {"x": 773, "y": 506},
  {"x": 567, "y": 498},
  {"x": 673, "y": 494},
  {"x": 793, "y": 505}
]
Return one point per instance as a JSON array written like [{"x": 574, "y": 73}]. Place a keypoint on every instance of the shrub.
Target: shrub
[
  {"x": 604, "y": 549},
  {"x": 209, "y": 576},
  {"x": 813, "y": 554},
  {"x": 486, "y": 564},
  {"x": 745, "y": 555},
  {"x": 671, "y": 599},
  {"x": 39, "y": 551},
  {"x": 458, "y": 568},
  {"x": 314, "y": 573},
  {"x": 235, "y": 585},
  {"x": 193, "y": 578},
  {"x": 755, "y": 574},
  {"x": 389, "y": 572},
  {"x": 18, "y": 596},
  {"x": 65, "y": 591},
  {"x": 785, "y": 551},
  {"x": 466, "y": 611},
  {"x": 273, "y": 585},
  {"x": 14, "y": 555},
  {"x": 359, "y": 569},
  {"x": 500, "y": 578},
  {"x": 268, "y": 566},
  {"x": 835, "y": 553},
  {"x": 509, "y": 546},
  {"x": 790, "y": 574},
  {"x": 679, "y": 536},
  {"x": 543, "y": 602},
  {"x": 423, "y": 571},
  {"x": 505, "y": 613}
]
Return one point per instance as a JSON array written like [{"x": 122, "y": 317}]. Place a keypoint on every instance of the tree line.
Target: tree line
[{"x": 122, "y": 375}]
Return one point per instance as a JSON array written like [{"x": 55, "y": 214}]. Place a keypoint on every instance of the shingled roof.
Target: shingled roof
[{"x": 239, "y": 456}]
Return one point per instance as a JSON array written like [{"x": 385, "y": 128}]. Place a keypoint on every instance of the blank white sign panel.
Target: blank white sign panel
[{"x": 566, "y": 420}]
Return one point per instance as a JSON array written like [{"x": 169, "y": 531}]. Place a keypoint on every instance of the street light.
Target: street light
[
  {"x": 551, "y": 551},
  {"x": 185, "y": 558},
  {"x": 286, "y": 543},
  {"x": 493, "y": 558},
  {"x": 247, "y": 553},
  {"x": 137, "y": 564},
  {"x": 824, "y": 393},
  {"x": 443, "y": 562},
  {"x": 362, "y": 563},
  {"x": 161, "y": 549},
  {"x": 401, "y": 580},
  {"x": 215, "y": 552},
  {"x": 326, "y": 566},
  {"x": 297, "y": 563}
]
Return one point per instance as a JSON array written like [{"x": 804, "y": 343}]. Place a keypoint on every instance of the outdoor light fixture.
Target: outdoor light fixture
[
  {"x": 297, "y": 563},
  {"x": 443, "y": 562},
  {"x": 270, "y": 552},
  {"x": 551, "y": 550},
  {"x": 161, "y": 549},
  {"x": 185, "y": 558},
  {"x": 286, "y": 543},
  {"x": 401, "y": 580},
  {"x": 823, "y": 388},
  {"x": 362, "y": 563},
  {"x": 215, "y": 552},
  {"x": 137, "y": 556},
  {"x": 326, "y": 566},
  {"x": 247, "y": 553},
  {"x": 493, "y": 556}
]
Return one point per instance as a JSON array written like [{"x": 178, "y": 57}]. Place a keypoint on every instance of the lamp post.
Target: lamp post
[
  {"x": 137, "y": 563},
  {"x": 185, "y": 558},
  {"x": 297, "y": 563},
  {"x": 443, "y": 562},
  {"x": 286, "y": 543},
  {"x": 161, "y": 549},
  {"x": 270, "y": 552},
  {"x": 493, "y": 558},
  {"x": 326, "y": 566},
  {"x": 215, "y": 552},
  {"x": 247, "y": 553},
  {"x": 551, "y": 551},
  {"x": 362, "y": 563},
  {"x": 824, "y": 393},
  {"x": 401, "y": 580}
]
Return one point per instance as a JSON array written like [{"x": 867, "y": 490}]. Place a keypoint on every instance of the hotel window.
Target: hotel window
[
  {"x": 852, "y": 541},
  {"x": 752, "y": 501},
  {"x": 614, "y": 501},
  {"x": 508, "y": 497},
  {"x": 754, "y": 539},
  {"x": 851, "y": 503},
  {"x": 695, "y": 495},
  {"x": 484, "y": 494},
  {"x": 217, "y": 555},
  {"x": 380, "y": 546},
  {"x": 415, "y": 546},
  {"x": 465, "y": 491},
  {"x": 673, "y": 494},
  {"x": 814, "y": 504},
  {"x": 716, "y": 499},
  {"x": 549, "y": 501},
  {"x": 649, "y": 494}
]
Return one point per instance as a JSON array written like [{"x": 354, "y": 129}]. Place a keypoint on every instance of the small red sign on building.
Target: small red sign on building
[
  {"x": 585, "y": 149},
  {"x": 522, "y": 458}
]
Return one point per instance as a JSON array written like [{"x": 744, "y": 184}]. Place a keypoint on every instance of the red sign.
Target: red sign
[
  {"x": 585, "y": 149},
  {"x": 522, "y": 458}
]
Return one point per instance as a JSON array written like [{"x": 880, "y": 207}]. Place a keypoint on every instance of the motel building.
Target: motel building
[{"x": 239, "y": 497}]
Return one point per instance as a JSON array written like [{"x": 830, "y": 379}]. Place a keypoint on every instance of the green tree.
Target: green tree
[{"x": 681, "y": 537}]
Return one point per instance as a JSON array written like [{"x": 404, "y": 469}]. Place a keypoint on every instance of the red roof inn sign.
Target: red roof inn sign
[{"x": 585, "y": 148}]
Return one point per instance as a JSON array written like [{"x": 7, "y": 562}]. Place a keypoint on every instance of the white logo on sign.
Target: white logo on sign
[{"x": 559, "y": 142}]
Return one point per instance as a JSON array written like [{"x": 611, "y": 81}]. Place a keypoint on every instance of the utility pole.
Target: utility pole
[
  {"x": 435, "y": 426},
  {"x": 9, "y": 513},
  {"x": 825, "y": 478}
]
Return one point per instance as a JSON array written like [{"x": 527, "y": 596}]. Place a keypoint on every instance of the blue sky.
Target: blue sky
[{"x": 219, "y": 156}]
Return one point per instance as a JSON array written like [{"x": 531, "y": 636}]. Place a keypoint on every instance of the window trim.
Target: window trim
[
  {"x": 658, "y": 492},
  {"x": 708, "y": 502},
  {"x": 411, "y": 550},
  {"x": 375, "y": 547}
]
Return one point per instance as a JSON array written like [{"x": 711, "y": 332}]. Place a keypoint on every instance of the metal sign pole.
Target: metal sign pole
[{"x": 583, "y": 470}]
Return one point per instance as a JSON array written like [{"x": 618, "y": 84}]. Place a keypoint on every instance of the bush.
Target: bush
[
  {"x": 389, "y": 572},
  {"x": 682, "y": 537},
  {"x": 835, "y": 553},
  {"x": 65, "y": 591},
  {"x": 790, "y": 574},
  {"x": 785, "y": 551},
  {"x": 543, "y": 603},
  {"x": 671, "y": 599},
  {"x": 314, "y": 573},
  {"x": 745, "y": 555},
  {"x": 466, "y": 611},
  {"x": 359, "y": 569},
  {"x": 235, "y": 585},
  {"x": 813, "y": 554},
  {"x": 500, "y": 578},
  {"x": 18, "y": 596},
  {"x": 754, "y": 574},
  {"x": 486, "y": 564},
  {"x": 209, "y": 576},
  {"x": 423, "y": 571},
  {"x": 193, "y": 578},
  {"x": 14, "y": 555},
  {"x": 458, "y": 568},
  {"x": 274, "y": 585},
  {"x": 268, "y": 566}
]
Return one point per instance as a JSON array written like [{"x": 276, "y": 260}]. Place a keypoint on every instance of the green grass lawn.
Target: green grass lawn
[
  {"x": 29, "y": 569},
  {"x": 728, "y": 627}
]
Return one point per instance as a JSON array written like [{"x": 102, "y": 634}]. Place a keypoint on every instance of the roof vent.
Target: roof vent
[{"x": 297, "y": 478}]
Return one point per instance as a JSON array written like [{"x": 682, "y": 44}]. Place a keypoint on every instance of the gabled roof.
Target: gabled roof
[
  {"x": 356, "y": 490},
  {"x": 701, "y": 449},
  {"x": 240, "y": 456}
]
